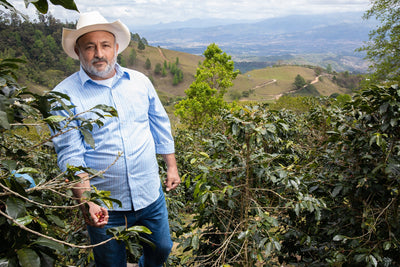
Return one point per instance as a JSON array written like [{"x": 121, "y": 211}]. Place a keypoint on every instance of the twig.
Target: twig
[{"x": 52, "y": 238}]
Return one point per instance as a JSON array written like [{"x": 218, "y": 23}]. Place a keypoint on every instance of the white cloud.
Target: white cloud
[{"x": 141, "y": 12}]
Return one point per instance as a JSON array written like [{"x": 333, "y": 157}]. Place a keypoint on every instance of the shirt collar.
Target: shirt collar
[{"x": 120, "y": 73}]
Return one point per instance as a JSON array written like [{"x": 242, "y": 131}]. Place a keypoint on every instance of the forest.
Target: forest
[{"x": 302, "y": 181}]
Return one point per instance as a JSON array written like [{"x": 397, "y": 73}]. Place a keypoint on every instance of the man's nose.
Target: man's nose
[{"x": 98, "y": 52}]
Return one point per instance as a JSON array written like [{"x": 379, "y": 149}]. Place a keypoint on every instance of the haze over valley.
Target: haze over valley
[{"x": 297, "y": 39}]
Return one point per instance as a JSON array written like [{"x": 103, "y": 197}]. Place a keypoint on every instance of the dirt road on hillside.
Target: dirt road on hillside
[
  {"x": 161, "y": 53},
  {"x": 276, "y": 97}
]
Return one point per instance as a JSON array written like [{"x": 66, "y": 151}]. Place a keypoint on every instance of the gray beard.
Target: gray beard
[{"x": 91, "y": 70}]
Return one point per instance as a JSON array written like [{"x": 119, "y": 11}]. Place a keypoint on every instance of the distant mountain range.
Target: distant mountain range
[{"x": 337, "y": 34}]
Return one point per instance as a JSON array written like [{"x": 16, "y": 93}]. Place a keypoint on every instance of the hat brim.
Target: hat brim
[{"x": 118, "y": 29}]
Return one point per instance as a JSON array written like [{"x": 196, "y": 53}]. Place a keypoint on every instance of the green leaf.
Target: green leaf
[
  {"x": 3, "y": 82},
  {"x": 204, "y": 154},
  {"x": 277, "y": 245},
  {"x": 41, "y": 5},
  {"x": 107, "y": 109},
  {"x": 68, "y": 4},
  {"x": 214, "y": 199},
  {"x": 27, "y": 170},
  {"x": 24, "y": 220},
  {"x": 373, "y": 260},
  {"x": 195, "y": 242},
  {"x": 28, "y": 258},
  {"x": 268, "y": 249},
  {"x": 387, "y": 245},
  {"x": 337, "y": 190},
  {"x": 56, "y": 220},
  {"x": 139, "y": 229},
  {"x": 10, "y": 165},
  {"x": 339, "y": 238},
  {"x": 359, "y": 257},
  {"x": 50, "y": 244},
  {"x": 87, "y": 136},
  {"x": 4, "y": 120},
  {"x": 242, "y": 235},
  {"x": 15, "y": 207},
  {"x": 54, "y": 119},
  {"x": 18, "y": 185}
]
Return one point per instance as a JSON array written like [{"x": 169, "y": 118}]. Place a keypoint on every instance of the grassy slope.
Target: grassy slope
[
  {"x": 187, "y": 63},
  {"x": 258, "y": 80},
  {"x": 271, "y": 82}
]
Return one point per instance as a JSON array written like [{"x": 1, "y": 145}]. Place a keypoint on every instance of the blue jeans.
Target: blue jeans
[{"x": 154, "y": 217}]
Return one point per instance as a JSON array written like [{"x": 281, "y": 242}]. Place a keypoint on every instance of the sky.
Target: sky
[{"x": 150, "y": 12}]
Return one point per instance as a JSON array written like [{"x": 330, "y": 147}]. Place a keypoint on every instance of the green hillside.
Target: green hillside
[
  {"x": 264, "y": 84},
  {"x": 39, "y": 43},
  {"x": 164, "y": 85},
  {"x": 272, "y": 82}
]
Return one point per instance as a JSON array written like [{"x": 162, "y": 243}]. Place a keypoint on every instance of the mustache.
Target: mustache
[{"x": 99, "y": 59}]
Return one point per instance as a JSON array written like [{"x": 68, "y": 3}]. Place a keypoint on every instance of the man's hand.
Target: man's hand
[
  {"x": 173, "y": 179},
  {"x": 93, "y": 214},
  {"x": 96, "y": 215}
]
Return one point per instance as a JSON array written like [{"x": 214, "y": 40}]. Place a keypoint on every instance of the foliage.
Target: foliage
[
  {"x": 158, "y": 69},
  {"x": 241, "y": 178},
  {"x": 205, "y": 95},
  {"x": 382, "y": 48},
  {"x": 39, "y": 44},
  {"x": 307, "y": 90},
  {"x": 132, "y": 57},
  {"x": 43, "y": 5},
  {"x": 313, "y": 188},
  {"x": 299, "y": 82},
  {"x": 296, "y": 104},
  {"x": 38, "y": 219},
  {"x": 347, "y": 80},
  {"x": 141, "y": 45},
  {"x": 147, "y": 64}
]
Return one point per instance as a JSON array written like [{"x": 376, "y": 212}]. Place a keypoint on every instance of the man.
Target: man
[{"x": 141, "y": 130}]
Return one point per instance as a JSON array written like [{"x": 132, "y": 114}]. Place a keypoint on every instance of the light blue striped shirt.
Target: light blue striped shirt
[{"x": 141, "y": 130}]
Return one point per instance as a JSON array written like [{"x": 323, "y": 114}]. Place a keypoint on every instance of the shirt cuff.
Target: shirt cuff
[{"x": 166, "y": 148}]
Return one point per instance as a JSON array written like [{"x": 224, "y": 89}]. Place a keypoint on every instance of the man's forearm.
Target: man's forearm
[
  {"x": 81, "y": 187},
  {"x": 170, "y": 161}
]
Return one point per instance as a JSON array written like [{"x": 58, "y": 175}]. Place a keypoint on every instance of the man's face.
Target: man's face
[{"x": 97, "y": 52}]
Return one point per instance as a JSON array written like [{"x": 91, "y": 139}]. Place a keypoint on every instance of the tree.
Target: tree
[
  {"x": 299, "y": 82},
  {"x": 141, "y": 45},
  {"x": 383, "y": 47},
  {"x": 147, "y": 64},
  {"x": 135, "y": 37},
  {"x": 121, "y": 60},
  {"x": 144, "y": 41},
  {"x": 164, "y": 72},
  {"x": 158, "y": 69},
  {"x": 329, "y": 68},
  {"x": 204, "y": 98},
  {"x": 132, "y": 57}
]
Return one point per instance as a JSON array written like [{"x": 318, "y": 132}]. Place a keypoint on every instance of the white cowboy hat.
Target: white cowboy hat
[{"x": 93, "y": 21}]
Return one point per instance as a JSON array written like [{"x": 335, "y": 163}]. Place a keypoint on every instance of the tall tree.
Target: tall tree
[
  {"x": 383, "y": 46},
  {"x": 204, "y": 98},
  {"x": 299, "y": 82}
]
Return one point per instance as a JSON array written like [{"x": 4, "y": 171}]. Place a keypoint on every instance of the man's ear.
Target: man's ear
[{"x": 76, "y": 50}]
